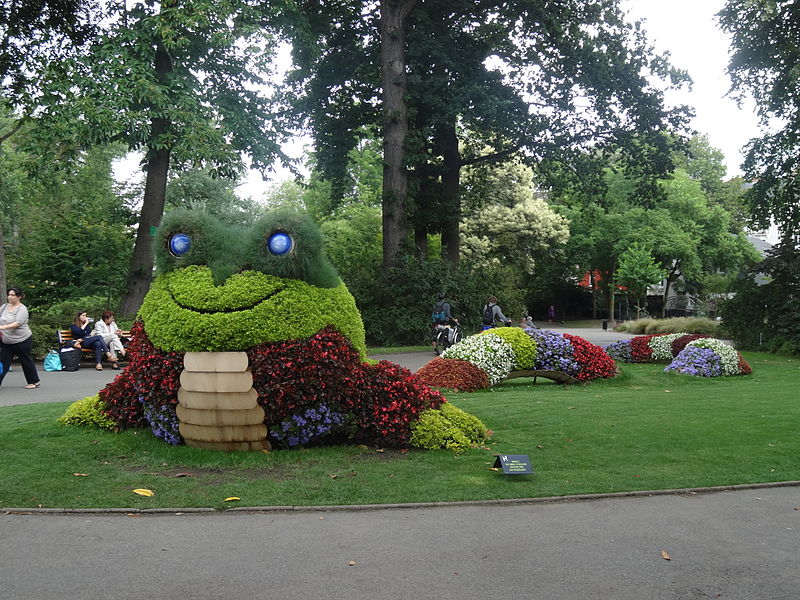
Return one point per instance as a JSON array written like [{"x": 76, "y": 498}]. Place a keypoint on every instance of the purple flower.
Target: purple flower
[
  {"x": 553, "y": 352},
  {"x": 700, "y": 362},
  {"x": 620, "y": 351},
  {"x": 163, "y": 422},
  {"x": 311, "y": 425}
]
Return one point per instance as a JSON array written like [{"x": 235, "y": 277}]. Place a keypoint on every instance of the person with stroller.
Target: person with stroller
[
  {"x": 442, "y": 323},
  {"x": 492, "y": 313}
]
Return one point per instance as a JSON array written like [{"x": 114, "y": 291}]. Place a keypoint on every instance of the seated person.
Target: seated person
[
  {"x": 108, "y": 330},
  {"x": 80, "y": 329}
]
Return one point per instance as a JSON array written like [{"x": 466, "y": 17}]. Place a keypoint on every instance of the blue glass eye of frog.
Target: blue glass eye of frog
[
  {"x": 280, "y": 243},
  {"x": 179, "y": 244}
]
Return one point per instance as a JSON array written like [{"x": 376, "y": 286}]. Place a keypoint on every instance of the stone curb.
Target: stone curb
[{"x": 409, "y": 505}]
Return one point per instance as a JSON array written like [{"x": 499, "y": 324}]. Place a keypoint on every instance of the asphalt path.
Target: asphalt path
[
  {"x": 740, "y": 544},
  {"x": 733, "y": 545}
]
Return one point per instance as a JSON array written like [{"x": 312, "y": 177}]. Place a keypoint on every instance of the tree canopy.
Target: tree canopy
[
  {"x": 763, "y": 63},
  {"x": 543, "y": 80}
]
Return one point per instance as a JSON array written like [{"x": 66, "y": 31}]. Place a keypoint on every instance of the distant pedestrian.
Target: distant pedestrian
[
  {"x": 492, "y": 313},
  {"x": 551, "y": 313},
  {"x": 16, "y": 338}
]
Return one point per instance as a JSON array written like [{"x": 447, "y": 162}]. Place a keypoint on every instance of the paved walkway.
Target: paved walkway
[{"x": 732, "y": 545}]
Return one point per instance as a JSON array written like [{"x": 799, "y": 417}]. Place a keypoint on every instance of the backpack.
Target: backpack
[
  {"x": 488, "y": 314},
  {"x": 52, "y": 362},
  {"x": 70, "y": 359},
  {"x": 438, "y": 312}
]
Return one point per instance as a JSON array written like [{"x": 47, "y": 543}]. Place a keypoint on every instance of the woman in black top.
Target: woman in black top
[{"x": 81, "y": 329}]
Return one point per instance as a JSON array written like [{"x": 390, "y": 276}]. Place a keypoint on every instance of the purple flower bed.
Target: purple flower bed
[
  {"x": 620, "y": 351},
  {"x": 701, "y": 362},
  {"x": 307, "y": 425},
  {"x": 553, "y": 352},
  {"x": 163, "y": 422}
]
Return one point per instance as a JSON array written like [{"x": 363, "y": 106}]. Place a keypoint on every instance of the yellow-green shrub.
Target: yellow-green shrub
[
  {"x": 447, "y": 428},
  {"x": 524, "y": 347},
  {"x": 87, "y": 412}
]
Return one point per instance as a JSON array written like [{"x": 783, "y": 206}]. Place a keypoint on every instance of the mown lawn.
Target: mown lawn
[{"x": 644, "y": 430}]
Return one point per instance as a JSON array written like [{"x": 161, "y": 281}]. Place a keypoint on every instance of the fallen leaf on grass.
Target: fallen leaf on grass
[
  {"x": 665, "y": 555},
  {"x": 232, "y": 498},
  {"x": 80, "y": 474},
  {"x": 667, "y": 390},
  {"x": 333, "y": 475},
  {"x": 144, "y": 492},
  {"x": 183, "y": 475}
]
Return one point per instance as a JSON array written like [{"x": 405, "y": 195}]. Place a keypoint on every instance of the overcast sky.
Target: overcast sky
[{"x": 687, "y": 30}]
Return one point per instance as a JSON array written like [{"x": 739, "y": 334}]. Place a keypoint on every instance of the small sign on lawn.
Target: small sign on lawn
[{"x": 514, "y": 464}]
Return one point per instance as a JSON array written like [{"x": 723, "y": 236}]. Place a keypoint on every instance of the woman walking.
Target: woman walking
[{"x": 16, "y": 338}]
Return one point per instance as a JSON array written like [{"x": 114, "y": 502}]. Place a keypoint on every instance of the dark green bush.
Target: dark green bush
[{"x": 766, "y": 315}]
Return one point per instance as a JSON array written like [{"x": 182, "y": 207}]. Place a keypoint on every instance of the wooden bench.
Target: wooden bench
[{"x": 65, "y": 335}]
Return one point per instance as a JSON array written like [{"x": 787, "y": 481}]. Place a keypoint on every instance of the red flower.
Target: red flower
[{"x": 593, "y": 360}]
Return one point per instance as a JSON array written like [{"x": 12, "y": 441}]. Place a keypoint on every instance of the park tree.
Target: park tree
[
  {"x": 196, "y": 189},
  {"x": 637, "y": 271},
  {"x": 763, "y": 65},
  {"x": 33, "y": 34},
  {"x": 507, "y": 223},
  {"x": 73, "y": 233},
  {"x": 179, "y": 80},
  {"x": 539, "y": 80}
]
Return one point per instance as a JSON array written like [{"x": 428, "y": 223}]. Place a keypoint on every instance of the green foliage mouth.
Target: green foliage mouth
[{"x": 210, "y": 311}]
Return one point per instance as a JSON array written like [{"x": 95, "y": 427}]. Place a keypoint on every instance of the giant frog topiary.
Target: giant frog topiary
[{"x": 267, "y": 290}]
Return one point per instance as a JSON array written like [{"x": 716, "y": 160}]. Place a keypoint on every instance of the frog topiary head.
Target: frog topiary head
[{"x": 228, "y": 288}]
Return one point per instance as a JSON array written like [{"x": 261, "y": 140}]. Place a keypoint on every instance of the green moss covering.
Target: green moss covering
[
  {"x": 185, "y": 311},
  {"x": 524, "y": 347}
]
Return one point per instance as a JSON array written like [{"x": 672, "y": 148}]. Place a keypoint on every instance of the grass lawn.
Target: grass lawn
[{"x": 643, "y": 430}]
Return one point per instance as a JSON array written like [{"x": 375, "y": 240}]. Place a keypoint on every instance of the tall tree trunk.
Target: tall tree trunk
[
  {"x": 451, "y": 191},
  {"x": 394, "y": 15},
  {"x": 611, "y": 290},
  {"x": 140, "y": 273},
  {"x": 3, "y": 272}
]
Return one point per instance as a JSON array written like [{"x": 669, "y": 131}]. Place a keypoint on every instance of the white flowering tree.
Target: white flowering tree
[{"x": 522, "y": 234}]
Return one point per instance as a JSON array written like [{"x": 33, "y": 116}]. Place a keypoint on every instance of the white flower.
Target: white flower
[
  {"x": 661, "y": 346},
  {"x": 728, "y": 355},
  {"x": 488, "y": 352}
]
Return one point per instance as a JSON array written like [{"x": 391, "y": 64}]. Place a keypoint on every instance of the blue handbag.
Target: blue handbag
[{"x": 52, "y": 362}]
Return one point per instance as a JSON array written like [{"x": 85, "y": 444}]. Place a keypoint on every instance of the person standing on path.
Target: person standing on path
[{"x": 17, "y": 340}]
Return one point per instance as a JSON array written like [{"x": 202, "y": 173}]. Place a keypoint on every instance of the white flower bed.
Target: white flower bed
[
  {"x": 488, "y": 352},
  {"x": 729, "y": 356},
  {"x": 662, "y": 345}
]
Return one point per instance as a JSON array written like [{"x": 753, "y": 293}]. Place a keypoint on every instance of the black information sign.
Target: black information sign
[{"x": 514, "y": 464}]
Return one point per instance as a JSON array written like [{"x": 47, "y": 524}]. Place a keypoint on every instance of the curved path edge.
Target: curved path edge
[{"x": 408, "y": 505}]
